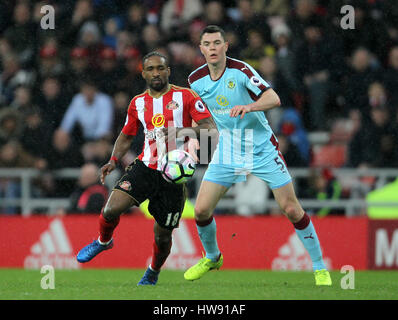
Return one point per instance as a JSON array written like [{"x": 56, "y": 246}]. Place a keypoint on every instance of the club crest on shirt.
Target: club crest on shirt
[
  {"x": 172, "y": 105},
  {"x": 231, "y": 83},
  {"x": 125, "y": 185}
]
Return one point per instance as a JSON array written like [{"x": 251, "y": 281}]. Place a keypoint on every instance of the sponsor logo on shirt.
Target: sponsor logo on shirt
[{"x": 158, "y": 120}]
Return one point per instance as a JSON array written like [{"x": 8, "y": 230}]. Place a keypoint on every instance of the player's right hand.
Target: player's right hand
[
  {"x": 107, "y": 169},
  {"x": 193, "y": 147}
]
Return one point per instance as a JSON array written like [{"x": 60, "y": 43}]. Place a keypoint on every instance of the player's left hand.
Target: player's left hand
[{"x": 239, "y": 110}]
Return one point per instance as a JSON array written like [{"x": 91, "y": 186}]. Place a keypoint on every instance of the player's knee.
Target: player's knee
[
  {"x": 292, "y": 211},
  {"x": 202, "y": 212},
  {"x": 110, "y": 213}
]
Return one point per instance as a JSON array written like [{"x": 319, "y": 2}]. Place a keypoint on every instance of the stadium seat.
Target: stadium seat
[{"x": 330, "y": 155}]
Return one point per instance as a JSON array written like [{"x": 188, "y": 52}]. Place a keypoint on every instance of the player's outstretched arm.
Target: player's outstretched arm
[
  {"x": 122, "y": 145},
  {"x": 268, "y": 100}
]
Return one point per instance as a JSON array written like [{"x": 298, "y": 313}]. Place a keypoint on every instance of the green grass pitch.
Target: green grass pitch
[{"x": 121, "y": 284}]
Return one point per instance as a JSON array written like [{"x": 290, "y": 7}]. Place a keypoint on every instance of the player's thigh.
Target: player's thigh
[
  {"x": 209, "y": 195},
  {"x": 286, "y": 197},
  {"x": 167, "y": 205},
  {"x": 138, "y": 182}
]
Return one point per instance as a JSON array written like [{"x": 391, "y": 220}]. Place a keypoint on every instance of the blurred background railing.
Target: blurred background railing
[{"x": 250, "y": 197}]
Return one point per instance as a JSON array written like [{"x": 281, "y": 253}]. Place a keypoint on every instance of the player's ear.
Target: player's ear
[
  {"x": 200, "y": 48},
  {"x": 168, "y": 71},
  {"x": 226, "y": 46}
]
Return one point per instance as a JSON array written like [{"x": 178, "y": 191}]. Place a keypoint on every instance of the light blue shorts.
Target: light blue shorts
[{"x": 270, "y": 168}]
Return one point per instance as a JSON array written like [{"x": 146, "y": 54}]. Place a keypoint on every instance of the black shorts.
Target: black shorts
[{"x": 166, "y": 200}]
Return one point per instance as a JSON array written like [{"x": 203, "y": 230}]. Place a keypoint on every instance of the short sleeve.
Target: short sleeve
[
  {"x": 198, "y": 109},
  {"x": 254, "y": 82},
  {"x": 131, "y": 124}
]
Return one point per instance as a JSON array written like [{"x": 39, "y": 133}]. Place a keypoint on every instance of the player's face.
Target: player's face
[
  {"x": 213, "y": 47},
  {"x": 156, "y": 73}
]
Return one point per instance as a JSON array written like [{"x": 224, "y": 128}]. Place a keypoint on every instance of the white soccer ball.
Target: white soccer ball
[{"x": 177, "y": 166}]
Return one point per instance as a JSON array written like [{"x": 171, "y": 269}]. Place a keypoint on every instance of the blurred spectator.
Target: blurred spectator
[
  {"x": 376, "y": 142},
  {"x": 234, "y": 45},
  {"x": 131, "y": 81},
  {"x": 323, "y": 185},
  {"x": 391, "y": 76},
  {"x": 21, "y": 35},
  {"x": 215, "y": 14},
  {"x": 52, "y": 102},
  {"x": 78, "y": 69},
  {"x": 195, "y": 29},
  {"x": 111, "y": 29},
  {"x": 304, "y": 12},
  {"x": 313, "y": 63},
  {"x": 151, "y": 38},
  {"x": 176, "y": 16},
  {"x": 136, "y": 19},
  {"x": 270, "y": 71},
  {"x": 377, "y": 97},
  {"x": 63, "y": 153},
  {"x": 11, "y": 125},
  {"x": 291, "y": 153},
  {"x": 251, "y": 20},
  {"x": 292, "y": 128},
  {"x": 50, "y": 63},
  {"x": 125, "y": 41},
  {"x": 90, "y": 38},
  {"x": 83, "y": 12},
  {"x": 11, "y": 77},
  {"x": 256, "y": 49},
  {"x": 357, "y": 82},
  {"x": 92, "y": 111},
  {"x": 286, "y": 62},
  {"x": 89, "y": 195},
  {"x": 36, "y": 135},
  {"x": 184, "y": 58},
  {"x": 109, "y": 71},
  {"x": 22, "y": 100},
  {"x": 279, "y": 8}
]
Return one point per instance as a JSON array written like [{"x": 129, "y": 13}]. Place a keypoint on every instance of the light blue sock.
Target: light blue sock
[
  {"x": 310, "y": 241},
  {"x": 208, "y": 237}
]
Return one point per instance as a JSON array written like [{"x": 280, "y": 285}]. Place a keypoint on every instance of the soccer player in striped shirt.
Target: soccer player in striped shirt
[
  {"x": 163, "y": 108},
  {"x": 237, "y": 97}
]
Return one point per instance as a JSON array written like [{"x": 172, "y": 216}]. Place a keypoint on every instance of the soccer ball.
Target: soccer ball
[{"x": 177, "y": 166}]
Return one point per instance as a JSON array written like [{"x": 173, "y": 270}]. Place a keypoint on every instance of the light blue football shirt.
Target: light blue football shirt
[{"x": 240, "y": 84}]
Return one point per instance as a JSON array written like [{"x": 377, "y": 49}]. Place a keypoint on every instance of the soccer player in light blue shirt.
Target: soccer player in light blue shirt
[{"x": 237, "y": 97}]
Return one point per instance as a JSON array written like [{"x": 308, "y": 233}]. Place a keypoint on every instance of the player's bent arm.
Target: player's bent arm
[
  {"x": 268, "y": 100},
  {"x": 122, "y": 145}
]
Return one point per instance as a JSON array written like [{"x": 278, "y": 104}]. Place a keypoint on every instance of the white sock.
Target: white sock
[{"x": 104, "y": 243}]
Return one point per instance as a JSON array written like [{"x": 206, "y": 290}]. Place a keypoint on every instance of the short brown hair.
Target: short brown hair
[{"x": 212, "y": 29}]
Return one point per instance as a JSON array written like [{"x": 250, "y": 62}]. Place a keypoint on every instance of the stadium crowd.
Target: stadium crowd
[{"x": 64, "y": 91}]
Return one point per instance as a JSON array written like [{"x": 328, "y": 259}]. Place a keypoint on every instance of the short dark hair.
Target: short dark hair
[
  {"x": 155, "y": 53},
  {"x": 212, "y": 29}
]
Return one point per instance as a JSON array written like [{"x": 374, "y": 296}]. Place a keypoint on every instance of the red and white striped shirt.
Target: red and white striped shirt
[{"x": 177, "y": 107}]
